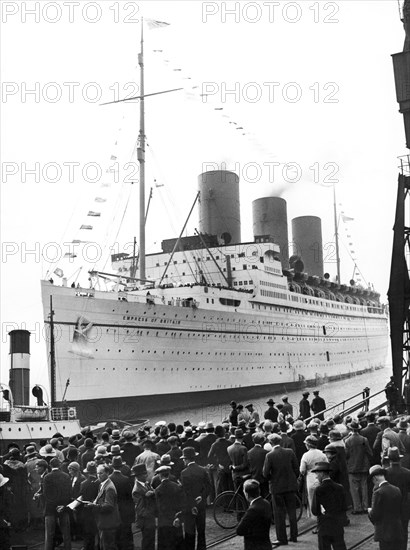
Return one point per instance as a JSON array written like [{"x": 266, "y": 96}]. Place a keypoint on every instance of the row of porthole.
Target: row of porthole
[{"x": 30, "y": 428}]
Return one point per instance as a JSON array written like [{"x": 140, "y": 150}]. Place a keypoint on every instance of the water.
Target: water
[{"x": 332, "y": 392}]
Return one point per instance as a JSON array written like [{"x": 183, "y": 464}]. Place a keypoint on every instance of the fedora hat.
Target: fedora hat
[
  {"x": 393, "y": 454},
  {"x": 305, "y": 393},
  {"x": 299, "y": 425},
  {"x": 311, "y": 440},
  {"x": 322, "y": 467},
  {"x": 102, "y": 451},
  {"x": 116, "y": 434},
  {"x": 165, "y": 460},
  {"x": 91, "y": 468},
  {"x": 270, "y": 402},
  {"x": 116, "y": 450},
  {"x": 163, "y": 469},
  {"x": 209, "y": 426},
  {"x": 249, "y": 405},
  {"x": 189, "y": 453},
  {"x": 31, "y": 451},
  {"x": 239, "y": 433},
  {"x": 354, "y": 425}
]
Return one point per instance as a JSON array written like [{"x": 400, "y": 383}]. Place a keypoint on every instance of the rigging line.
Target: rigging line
[{"x": 119, "y": 228}]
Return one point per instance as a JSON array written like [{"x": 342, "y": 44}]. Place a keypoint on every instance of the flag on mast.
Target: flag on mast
[
  {"x": 347, "y": 218},
  {"x": 154, "y": 24}
]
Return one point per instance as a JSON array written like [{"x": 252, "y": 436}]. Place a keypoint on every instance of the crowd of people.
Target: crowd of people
[{"x": 160, "y": 480}]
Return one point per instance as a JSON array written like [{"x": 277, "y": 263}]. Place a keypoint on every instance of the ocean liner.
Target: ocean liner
[{"x": 210, "y": 317}]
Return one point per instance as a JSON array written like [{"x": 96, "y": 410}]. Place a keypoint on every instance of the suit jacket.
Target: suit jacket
[
  {"x": 170, "y": 502},
  {"x": 370, "y": 433},
  {"x": 256, "y": 459},
  {"x": 255, "y": 525},
  {"x": 385, "y": 513},
  {"x": 287, "y": 442},
  {"x": 271, "y": 414},
  {"x": 145, "y": 506},
  {"x": 205, "y": 443},
  {"x": 239, "y": 457},
  {"x": 123, "y": 486},
  {"x": 218, "y": 453},
  {"x": 131, "y": 451},
  {"x": 56, "y": 491},
  {"x": 329, "y": 496},
  {"x": 281, "y": 469},
  {"x": 107, "y": 514},
  {"x": 196, "y": 483},
  {"x": 400, "y": 477},
  {"x": 358, "y": 454}
]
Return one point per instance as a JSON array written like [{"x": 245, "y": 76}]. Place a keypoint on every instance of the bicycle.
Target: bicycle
[{"x": 230, "y": 506}]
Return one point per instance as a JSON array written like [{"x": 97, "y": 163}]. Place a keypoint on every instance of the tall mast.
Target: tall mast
[
  {"x": 336, "y": 234},
  {"x": 52, "y": 356},
  {"x": 141, "y": 158}
]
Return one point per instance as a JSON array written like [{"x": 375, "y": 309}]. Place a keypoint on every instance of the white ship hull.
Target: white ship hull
[{"x": 127, "y": 359}]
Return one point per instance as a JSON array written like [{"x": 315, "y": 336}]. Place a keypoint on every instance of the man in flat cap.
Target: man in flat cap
[
  {"x": 304, "y": 406},
  {"x": 385, "y": 512},
  {"x": 329, "y": 505}
]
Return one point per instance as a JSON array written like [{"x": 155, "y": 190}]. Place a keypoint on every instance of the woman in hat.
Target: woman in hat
[{"x": 307, "y": 464}]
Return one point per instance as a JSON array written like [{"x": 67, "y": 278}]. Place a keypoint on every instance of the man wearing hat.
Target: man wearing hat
[
  {"x": 238, "y": 455},
  {"x": 318, "y": 405},
  {"x": 387, "y": 438},
  {"x": 88, "y": 492},
  {"x": 165, "y": 460},
  {"x": 130, "y": 448},
  {"x": 256, "y": 459},
  {"x": 205, "y": 441},
  {"x": 253, "y": 415},
  {"x": 271, "y": 412},
  {"x": 148, "y": 457},
  {"x": 329, "y": 505},
  {"x": 385, "y": 512},
  {"x": 218, "y": 456},
  {"x": 400, "y": 477},
  {"x": 281, "y": 469},
  {"x": 123, "y": 486},
  {"x": 170, "y": 504},
  {"x": 233, "y": 415},
  {"x": 370, "y": 431},
  {"x": 255, "y": 524},
  {"x": 392, "y": 395},
  {"x": 358, "y": 456},
  {"x": 197, "y": 486},
  {"x": 145, "y": 506},
  {"x": 304, "y": 406},
  {"x": 57, "y": 495},
  {"x": 299, "y": 439},
  {"x": 287, "y": 409}
]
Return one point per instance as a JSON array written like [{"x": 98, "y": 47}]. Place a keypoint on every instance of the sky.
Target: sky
[{"x": 294, "y": 96}]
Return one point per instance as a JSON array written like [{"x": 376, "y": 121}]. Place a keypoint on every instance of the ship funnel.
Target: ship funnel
[
  {"x": 270, "y": 219},
  {"x": 307, "y": 243},
  {"x": 20, "y": 366},
  {"x": 219, "y": 207}
]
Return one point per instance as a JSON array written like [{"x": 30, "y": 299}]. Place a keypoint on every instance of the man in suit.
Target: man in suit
[
  {"x": 197, "y": 486},
  {"x": 123, "y": 486},
  {"x": 57, "y": 494},
  {"x": 255, "y": 524},
  {"x": 130, "y": 448},
  {"x": 105, "y": 507},
  {"x": 170, "y": 504},
  {"x": 358, "y": 456},
  {"x": 219, "y": 458},
  {"x": 329, "y": 505},
  {"x": 299, "y": 439},
  {"x": 400, "y": 477},
  {"x": 88, "y": 492},
  {"x": 304, "y": 406},
  {"x": 370, "y": 432},
  {"x": 145, "y": 506},
  {"x": 318, "y": 405},
  {"x": 238, "y": 455},
  {"x": 385, "y": 512},
  {"x": 271, "y": 412},
  {"x": 256, "y": 459},
  {"x": 281, "y": 469}
]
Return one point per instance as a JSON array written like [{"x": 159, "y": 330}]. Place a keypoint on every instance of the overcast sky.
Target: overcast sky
[{"x": 307, "y": 83}]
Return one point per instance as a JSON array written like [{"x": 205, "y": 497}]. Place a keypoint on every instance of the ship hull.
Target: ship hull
[
  {"x": 209, "y": 403},
  {"x": 130, "y": 359}
]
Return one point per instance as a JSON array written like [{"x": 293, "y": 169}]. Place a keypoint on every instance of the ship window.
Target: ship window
[{"x": 229, "y": 302}]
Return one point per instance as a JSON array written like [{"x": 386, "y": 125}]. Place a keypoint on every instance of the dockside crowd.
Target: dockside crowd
[{"x": 159, "y": 480}]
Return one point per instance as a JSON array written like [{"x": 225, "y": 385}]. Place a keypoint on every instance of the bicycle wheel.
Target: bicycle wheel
[
  {"x": 299, "y": 508},
  {"x": 229, "y": 507}
]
